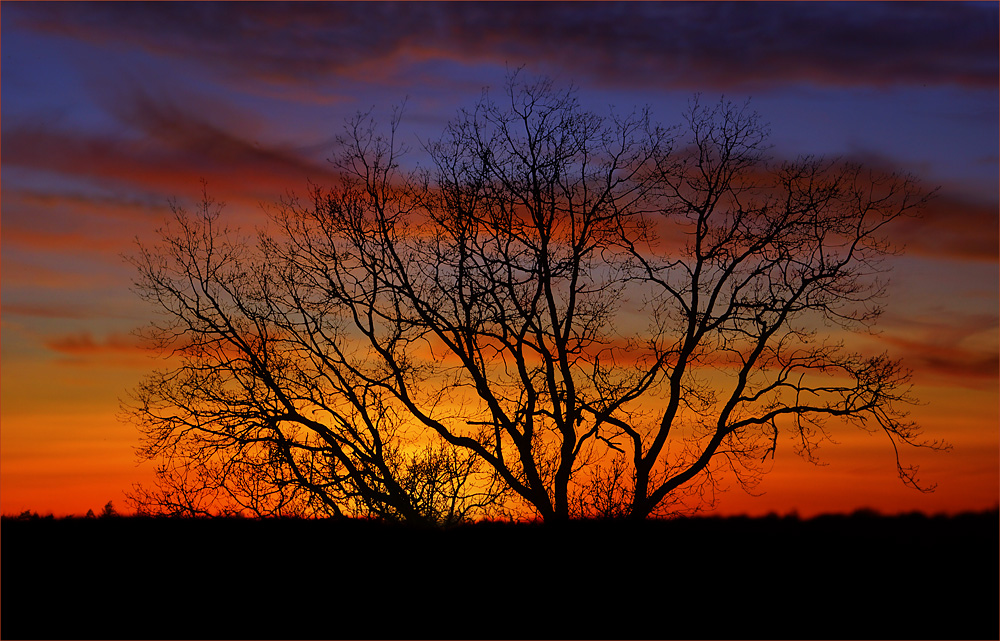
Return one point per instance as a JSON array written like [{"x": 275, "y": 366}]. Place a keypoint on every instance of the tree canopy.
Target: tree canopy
[{"x": 562, "y": 314}]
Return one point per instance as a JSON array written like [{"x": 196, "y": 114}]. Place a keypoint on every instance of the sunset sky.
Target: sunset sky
[{"x": 110, "y": 111}]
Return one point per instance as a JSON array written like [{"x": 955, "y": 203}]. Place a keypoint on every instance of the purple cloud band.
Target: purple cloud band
[{"x": 673, "y": 44}]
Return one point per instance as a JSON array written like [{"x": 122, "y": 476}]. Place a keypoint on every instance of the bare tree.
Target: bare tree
[
  {"x": 775, "y": 257},
  {"x": 565, "y": 315},
  {"x": 229, "y": 486},
  {"x": 247, "y": 421}
]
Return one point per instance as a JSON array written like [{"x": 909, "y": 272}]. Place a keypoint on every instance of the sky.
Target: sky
[{"x": 112, "y": 111}]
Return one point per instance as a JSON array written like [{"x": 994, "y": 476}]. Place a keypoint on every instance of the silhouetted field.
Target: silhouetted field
[{"x": 862, "y": 576}]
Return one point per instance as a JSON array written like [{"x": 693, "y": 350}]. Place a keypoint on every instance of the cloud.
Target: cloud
[
  {"x": 29, "y": 278},
  {"x": 958, "y": 347},
  {"x": 118, "y": 208},
  {"x": 953, "y": 227},
  {"x": 674, "y": 44},
  {"x": 63, "y": 242},
  {"x": 84, "y": 344},
  {"x": 952, "y": 224},
  {"x": 46, "y": 310},
  {"x": 68, "y": 242},
  {"x": 174, "y": 149},
  {"x": 952, "y": 362}
]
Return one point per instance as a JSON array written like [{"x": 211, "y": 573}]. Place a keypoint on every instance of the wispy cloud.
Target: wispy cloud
[
  {"x": 959, "y": 364},
  {"x": 960, "y": 348},
  {"x": 672, "y": 44},
  {"x": 170, "y": 148},
  {"x": 84, "y": 344},
  {"x": 953, "y": 227},
  {"x": 63, "y": 242},
  {"x": 47, "y": 311}
]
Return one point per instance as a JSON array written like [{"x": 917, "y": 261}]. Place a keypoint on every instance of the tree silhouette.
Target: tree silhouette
[
  {"x": 109, "y": 511},
  {"x": 564, "y": 315}
]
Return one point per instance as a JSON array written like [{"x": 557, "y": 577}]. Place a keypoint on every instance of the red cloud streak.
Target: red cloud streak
[
  {"x": 83, "y": 344},
  {"x": 193, "y": 150}
]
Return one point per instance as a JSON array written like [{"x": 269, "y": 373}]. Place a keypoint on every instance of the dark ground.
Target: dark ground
[{"x": 863, "y": 576}]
